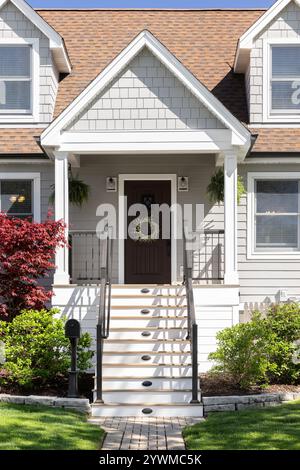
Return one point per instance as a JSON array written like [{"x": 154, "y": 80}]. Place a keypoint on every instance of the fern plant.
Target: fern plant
[
  {"x": 78, "y": 191},
  {"x": 215, "y": 189}
]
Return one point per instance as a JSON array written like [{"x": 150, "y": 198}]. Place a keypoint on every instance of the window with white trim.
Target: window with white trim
[
  {"x": 20, "y": 195},
  {"x": 273, "y": 215},
  {"x": 16, "y": 198},
  {"x": 19, "y": 80},
  {"x": 285, "y": 79},
  {"x": 15, "y": 79}
]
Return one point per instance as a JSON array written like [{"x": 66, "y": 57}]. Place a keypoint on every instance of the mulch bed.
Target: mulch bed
[
  {"x": 211, "y": 385},
  {"x": 214, "y": 385},
  {"x": 58, "y": 389}
]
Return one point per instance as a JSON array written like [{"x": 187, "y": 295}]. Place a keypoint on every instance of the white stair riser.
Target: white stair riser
[
  {"x": 148, "y": 322},
  {"x": 149, "y": 371},
  {"x": 137, "y": 359},
  {"x": 153, "y": 290},
  {"x": 147, "y": 347},
  {"x": 151, "y": 312},
  {"x": 136, "y": 384},
  {"x": 154, "y": 334},
  {"x": 139, "y": 398},
  {"x": 149, "y": 301},
  {"x": 158, "y": 411}
]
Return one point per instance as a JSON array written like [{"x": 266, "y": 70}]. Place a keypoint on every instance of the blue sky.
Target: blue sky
[{"x": 151, "y": 3}]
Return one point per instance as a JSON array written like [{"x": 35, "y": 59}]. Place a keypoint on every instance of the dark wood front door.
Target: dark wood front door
[{"x": 148, "y": 261}]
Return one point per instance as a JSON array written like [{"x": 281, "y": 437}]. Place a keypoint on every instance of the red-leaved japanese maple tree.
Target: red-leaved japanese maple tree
[{"x": 27, "y": 252}]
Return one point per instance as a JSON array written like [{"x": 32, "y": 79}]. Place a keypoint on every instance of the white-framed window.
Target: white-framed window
[
  {"x": 273, "y": 228},
  {"x": 20, "y": 195},
  {"x": 19, "y": 80}
]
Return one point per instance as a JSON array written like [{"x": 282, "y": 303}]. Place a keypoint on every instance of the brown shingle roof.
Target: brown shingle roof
[
  {"x": 204, "y": 41},
  {"x": 277, "y": 140},
  {"x": 23, "y": 141}
]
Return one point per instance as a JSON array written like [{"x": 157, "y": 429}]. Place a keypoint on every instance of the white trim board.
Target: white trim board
[
  {"x": 122, "y": 219},
  {"x": 246, "y": 41},
  {"x": 36, "y": 178},
  {"x": 266, "y": 255},
  {"x": 54, "y": 135},
  {"x": 55, "y": 40}
]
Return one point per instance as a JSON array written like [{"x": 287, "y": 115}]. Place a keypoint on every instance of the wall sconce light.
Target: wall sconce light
[
  {"x": 111, "y": 184},
  {"x": 183, "y": 183}
]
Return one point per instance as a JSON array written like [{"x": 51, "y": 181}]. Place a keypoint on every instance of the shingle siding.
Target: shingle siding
[
  {"x": 145, "y": 96},
  {"x": 286, "y": 25},
  {"x": 13, "y": 24}
]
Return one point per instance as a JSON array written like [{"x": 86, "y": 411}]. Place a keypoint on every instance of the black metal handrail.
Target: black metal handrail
[
  {"x": 192, "y": 325},
  {"x": 103, "y": 323}
]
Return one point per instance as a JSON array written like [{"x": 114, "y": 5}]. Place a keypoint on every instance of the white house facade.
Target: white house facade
[{"x": 145, "y": 107}]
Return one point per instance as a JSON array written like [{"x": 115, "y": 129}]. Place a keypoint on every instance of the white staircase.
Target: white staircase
[{"x": 147, "y": 365}]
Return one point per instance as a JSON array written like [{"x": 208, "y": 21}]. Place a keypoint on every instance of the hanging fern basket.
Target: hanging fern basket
[
  {"x": 215, "y": 189},
  {"x": 78, "y": 191}
]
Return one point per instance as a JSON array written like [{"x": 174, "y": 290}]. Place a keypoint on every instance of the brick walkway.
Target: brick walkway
[{"x": 143, "y": 433}]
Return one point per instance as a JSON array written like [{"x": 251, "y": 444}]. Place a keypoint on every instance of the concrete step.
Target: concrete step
[
  {"x": 151, "y": 289},
  {"x": 158, "y": 410},
  {"x": 146, "y": 370},
  {"x": 145, "y": 345},
  {"x": 139, "y": 397},
  {"x": 134, "y": 383},
  {"x": 149, "y": 300},
  {"x": 147, "y": 310},
  {"x": 143, "y": 358},
  {"x": 142, "y": 322},
  {"x": 139, "y": 332}
]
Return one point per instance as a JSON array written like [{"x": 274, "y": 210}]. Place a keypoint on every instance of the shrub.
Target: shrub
[
  {"x": 26, "y": 254},
  {"x": 263, "y": 350},
  {"x": 243, "y": 352},
  {"x": 37, "y": 351},
  {"x": 284, "y": 322}
]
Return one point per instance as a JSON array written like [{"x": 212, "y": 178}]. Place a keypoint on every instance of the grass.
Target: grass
[
  {"x": 44, "y": 428},
  {"x": 274, "y": 428}
]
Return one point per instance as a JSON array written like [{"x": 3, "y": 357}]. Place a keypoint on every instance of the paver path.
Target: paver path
[{"x": 143, "y": 433}]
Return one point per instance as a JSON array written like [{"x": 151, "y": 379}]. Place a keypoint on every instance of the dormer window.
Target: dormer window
[
  {"x": 285, "y": 79},
  {"x": 15, "y": 79},
  {"x": 19, "y": 80}
]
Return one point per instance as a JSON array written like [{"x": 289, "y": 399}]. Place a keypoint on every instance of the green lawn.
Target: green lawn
[
  {"x": 274, "y": 428},
  {"x": 44, "y": 428}
]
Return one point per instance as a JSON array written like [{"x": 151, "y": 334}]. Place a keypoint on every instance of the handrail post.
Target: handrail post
[
  {"x": 99, "y": 373},
  {"x": 195, "y": 379}
]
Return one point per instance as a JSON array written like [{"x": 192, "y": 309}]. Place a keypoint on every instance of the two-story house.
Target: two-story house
[{"x": 145, "y": 106}]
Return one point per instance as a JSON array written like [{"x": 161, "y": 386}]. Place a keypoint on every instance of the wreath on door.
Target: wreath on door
[{"x": 138, "y": 234}]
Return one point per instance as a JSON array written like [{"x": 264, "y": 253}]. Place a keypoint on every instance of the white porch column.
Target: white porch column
[
  {"x": 61, "y": 275},
  {"x": 230, "y": 218}
]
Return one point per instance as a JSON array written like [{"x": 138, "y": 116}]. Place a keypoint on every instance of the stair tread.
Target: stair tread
[
  {"x": 167, "y": 377},
  {"x": 154, "y": 328},
  {"x": 147, "y": 390},
  {"x": 150, "y": 341},
  {"x": 145, "y": 364},
  {"x": 144, "y": 353},
  {"x": 157, "y": 317},
  {"x": 148, "y": 307},
  {"x": 144, "y": 405}
]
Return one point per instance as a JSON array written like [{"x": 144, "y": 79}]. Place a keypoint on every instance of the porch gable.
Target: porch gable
[
  {"x": 214, "y": 129},
  {"x": 144, "y": 96}
]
